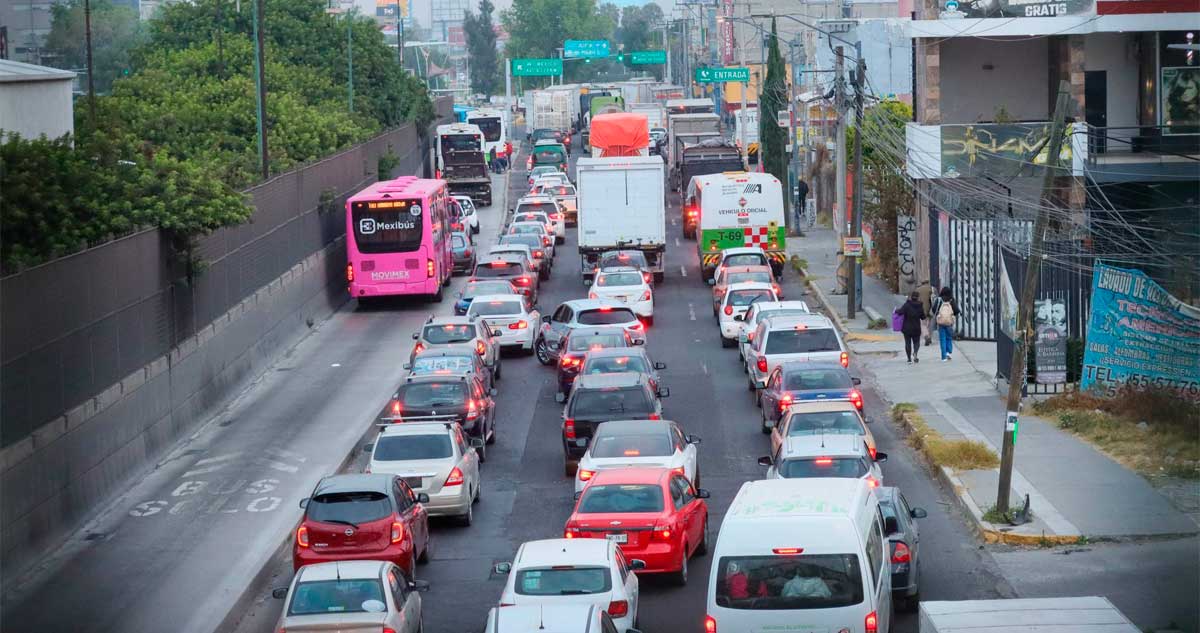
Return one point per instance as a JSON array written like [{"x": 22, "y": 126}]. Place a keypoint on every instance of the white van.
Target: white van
[{"x": 807, "y": 552}]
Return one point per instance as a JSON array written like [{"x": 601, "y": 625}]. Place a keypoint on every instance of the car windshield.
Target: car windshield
[
  {"x": 619, "y": 279},
  {"x": 637, "y": 260},
  {"x": 563, "y": 581},
  {"x": 537, "y": 207},
  {"x": 532, "y": 241},
  {"x": 448, "y": 333},
  {"x": 761, "y": 276},
  {"x": 348, "y": 507},
  {"x": 656, "y": 445},
  {"x": 399, "y": 448},
  {"x": 822, "y": 581},
  {"x": 825, "y": 422},
  {"x": 621, "y": 498},
  {"x": 849, "y": 467},
  {"x": 527, "y": 227},
  {"x": 616, "y": 364},
  {"x": 743, "y": 298},
  {"x": 606, "y": 316},
  {"x": 805, "y": 379},
  {"x": 631, "y": 402},
  {"x": 765, "y": 314},
  {"x": 355, "y": 595},
  {"x": 476, "y": 288},
  {"x": 496, "y": 307},
  {"x": 498, "y": 269},
  {"x": 432, "y": 394},
  {"x": 802, "y": 341},
  {"x": 745, "y": 259},
  {"x": 444, "y": 364},
  {"x": 458, "y": 241},
  {"x": 585, "y": 342}
]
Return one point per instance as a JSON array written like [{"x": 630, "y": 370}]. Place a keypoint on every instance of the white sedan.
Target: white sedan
[
  {"x": 509, "y": 315},
  {"x": 628, "y": 286},
  {"x": 573, "y": 571},
  {"x": 639, "y": 444},
  {"x": 736, "y": 302},
  {"x": 470, "y": 213}
]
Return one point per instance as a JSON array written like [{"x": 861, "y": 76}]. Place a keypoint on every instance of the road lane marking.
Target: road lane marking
[
  {"x": 691, "y": 312},
  {"x": 279, "y": 452},
  {"x": 683, "y": 271},
  {"x": 704, "y": 367},
  {"x": 270, "y": 463},
  {"x": 677, "y": 241},
  {"x": 210, "y": 465}
]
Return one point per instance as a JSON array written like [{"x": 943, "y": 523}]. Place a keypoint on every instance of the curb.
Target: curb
[
  {"x": 984, "y": 530},
  {"x": 837, "y": 319}
]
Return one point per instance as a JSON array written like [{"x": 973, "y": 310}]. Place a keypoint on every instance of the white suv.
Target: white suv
[
  {"x": 734, "y": 304},
  {"x": 780, "y": 339},
  {"x": 509, "y": 316},
  {"x": 760, "y": 310},
  {"x": 435, "y": 458}
]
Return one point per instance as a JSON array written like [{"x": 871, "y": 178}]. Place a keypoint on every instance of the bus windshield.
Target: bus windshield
[
  {"x": 390, "y": 230},
  {"x": 489, "y": 126}
]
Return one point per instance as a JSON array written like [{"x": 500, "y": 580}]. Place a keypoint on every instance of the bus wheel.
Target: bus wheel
[{"x": 438, "y": 296}]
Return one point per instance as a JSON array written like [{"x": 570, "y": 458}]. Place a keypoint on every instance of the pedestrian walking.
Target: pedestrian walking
[
  {"x": 945, "y": 313},
  {"x": 801, "y": 195},
  {"x": 912, "y": 314},
  {"x": 492, "y": 160},
  {"x": 925, "y": 291}
]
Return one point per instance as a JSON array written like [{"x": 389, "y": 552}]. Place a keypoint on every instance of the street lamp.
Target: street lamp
[{"x": 349, "y": 16}]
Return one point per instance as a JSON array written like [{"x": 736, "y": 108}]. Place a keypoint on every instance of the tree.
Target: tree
[
  {"x": 537, "y": 28},
  {"x": 116, "y": 31},
  {"x": 886, "y": 189},
  {"x": 481, "y": 50},
  {"x": 774, "y": 98},
  {"x": 637, "y": 31}
]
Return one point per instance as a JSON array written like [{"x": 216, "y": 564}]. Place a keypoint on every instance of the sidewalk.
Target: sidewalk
[{"x": 1074, "y": 489}]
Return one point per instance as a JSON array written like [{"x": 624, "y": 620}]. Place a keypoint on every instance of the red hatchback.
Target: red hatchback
[
  {"x": 653, "y": 514},
  {"x": 363, "y": 517}
]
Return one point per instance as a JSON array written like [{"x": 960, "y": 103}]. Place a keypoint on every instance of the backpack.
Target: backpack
[{"x": 945, "y": 313}]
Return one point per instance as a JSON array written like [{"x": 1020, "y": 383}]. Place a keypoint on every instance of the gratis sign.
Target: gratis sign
[
  {"x": 718, "y": 75},
  {"x": 585, "y": 49},
  {"x": 545, "y": 67},
  {"x": 649, "y": 57}
]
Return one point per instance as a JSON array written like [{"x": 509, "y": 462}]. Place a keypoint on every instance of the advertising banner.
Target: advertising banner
[
  {"x": 996, "y": 149},
  {"x": 1025, "y": 8},
  {"x": 1181, "y": 99},
  {"x": 1141, "y": 335}
]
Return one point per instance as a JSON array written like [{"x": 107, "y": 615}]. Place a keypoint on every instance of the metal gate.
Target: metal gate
[{"x": 968, "y": 263}]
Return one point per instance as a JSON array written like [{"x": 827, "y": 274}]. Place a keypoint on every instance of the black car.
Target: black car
[
  {"x": 599, "y": 398},
  {"x": 899, "y": 523},
  {"x": 459, "y": 398},
  {"x": 576, "y": 346}
]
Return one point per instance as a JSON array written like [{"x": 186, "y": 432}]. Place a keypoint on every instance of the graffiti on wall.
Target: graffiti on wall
[{"x": 906, "y": 252}]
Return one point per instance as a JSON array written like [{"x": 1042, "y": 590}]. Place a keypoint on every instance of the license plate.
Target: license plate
[
  {"x": 622, "y": 298},
  {"x": 413, "y": 482},
  {"x": 618, "y": 537}
]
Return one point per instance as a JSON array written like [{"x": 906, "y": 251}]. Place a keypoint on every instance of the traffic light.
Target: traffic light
[{"x": 620, "y": 57}]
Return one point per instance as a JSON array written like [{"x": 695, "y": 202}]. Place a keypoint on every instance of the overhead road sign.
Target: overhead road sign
[
  {"x": 649, "y": 57},
  {"x": 537, "y": 67},
  {"x": 585, "y": 49},
  {"x": 717, "y": 75}
]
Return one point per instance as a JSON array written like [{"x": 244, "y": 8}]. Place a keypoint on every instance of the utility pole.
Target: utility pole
[
  {"x": 399, "y": 35},
  {"x": 853, "y": 282},
  {"x": 350, "y": 58},
  {"x": 667, "y": 48},
  {"x": 839, "y": 101},
  {"x": 260, "y": 85},
  {"x": 1016, "y": 371},
  {"x": 87, "y": 31},
  {"x": 508, "y": 96},
  {"x": 794, "y": 120}
]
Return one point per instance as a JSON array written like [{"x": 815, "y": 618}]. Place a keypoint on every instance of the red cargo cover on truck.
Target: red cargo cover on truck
[{"x": 620, "y": 134}]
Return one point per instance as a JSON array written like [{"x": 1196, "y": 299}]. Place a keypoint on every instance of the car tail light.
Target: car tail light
[
  {"x": 637, "y": 327},
  {"x": 872, "y": 482},
  {"x": 302, "y": 536},
  {"x": 388, "y": 629},
  {"x": 568, "y": 361},
  {"x": 785, "y": 402},
  {"x": 455, "y": 478},
  {"x": 844, "y": 359},
  {"x": 761, "y": 363},
  {"x": 480, "y": 348},
  {"x": 776, "y": 288},
  {"x": 646, "y": 278},
  {"x": 396, "y": 408},
  {"x": 539, "y": 254},
  {"x": 646, "y": 296},
  {"x": 556, "y": 216},
  {"x": 618, "y": 608},
  {"x": 653, "y": 416},
  {"x": 349, "y": 272},
  {"x": 569, "y": 428},
  {"x": 519, "y": 325},
  {"x": 592, "y": 295},
  {"x": 871, "y": 623},
  {"x": 788, "y": 551},
  {"x": 523, "y": 280},
  {"x": 586, "y": 475},
  {"x": 468, "y": 251},
  {"x": 678, "y": 470},
  {"x": 900, "y": 553},
  {"x": 418, "y": 348},
  {"x": 571, "y": 532},
  {"x": 546, "y": 240},
  {"x": 397, "y": 531},
  {"x": 856, "y": 400},
  {"x": 661, "y": 532},
  {"x": 871, "y": 450},
  {"x": 823, "y": 461},
  {"x": 749, "y": 336},
  {"x": 710, "y": 624},
  {"x": 728, "y": 310},
  {"x": 472, "y": 410}
]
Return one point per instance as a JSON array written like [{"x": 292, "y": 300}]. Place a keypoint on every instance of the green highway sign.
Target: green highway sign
[
  {"x": 716, "y": 75},
  {"x": 576, "y": 49},
  {"x": 536, "y": 67},
  {"x": 649, "y": 57}
]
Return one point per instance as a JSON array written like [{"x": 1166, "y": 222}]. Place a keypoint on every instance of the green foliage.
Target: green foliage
[
  {"x": 886, "y": 191},
  {"x": 384, "y": 166},
  {"x": 536, "y": 28},
  {"x": 116, "y": 30},
  {"x": 486, "y": 74},
  {"x": 638, "y": 32},
  {"x": 774, "y": 98}
]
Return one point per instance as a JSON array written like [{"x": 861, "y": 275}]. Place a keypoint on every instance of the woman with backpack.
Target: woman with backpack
[
  {"x": 945, "y": 313},
  {"x": 910, "y": 316}
]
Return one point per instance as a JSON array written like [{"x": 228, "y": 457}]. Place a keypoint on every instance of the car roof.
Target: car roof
[
  {"x": 546, "y": 141},
  {"x": 354, "y": 482},
  {"x": 509, "y": 248},
  {"x": 606, "y": 352},
  {"x": 750, "y": 285},
  {"x": 528, "y": 222},
  {"x": 831, "y": 445},
  {"x": 550, "y": 618},
  {"x": 453, "y": 349},
  {"x": 426, "y": 378},
  {"x": 782, "y": 498},
  {"x": 511, "y": 296},
  {"x": 448, "y": 320},
  {"x": 592, "y": 304},
  {"x": 742, "y": 250},
  {"x": 562, "y": 551},
  {"x": 629, "y": 476},
  {"x": 635, "y": 427},
  {"x": 344, "y": 570},
  {"x": 791, "y": 321},
  {"x": 416, "y": 428},
  {"x": 535, "y": 198},
  {"x": 619, "y": 269},
  {"x": 605, "y": 381},
  {"x": 746, "y": 268},
  {"x": 793, "y": 304},
  {"x": 822, "y": 406}
]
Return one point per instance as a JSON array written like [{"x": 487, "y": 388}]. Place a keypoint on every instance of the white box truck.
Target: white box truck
[
  {"x": 1091, "y": 614},
  {"x": 621, "y": 206}
]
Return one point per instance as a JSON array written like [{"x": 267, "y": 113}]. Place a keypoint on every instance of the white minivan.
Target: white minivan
[{"x": 801, "y": 555}]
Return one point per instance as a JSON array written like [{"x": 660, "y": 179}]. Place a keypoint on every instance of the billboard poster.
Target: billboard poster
[
  {"x": 1050, "y": 340},
  {"x": 1025, "y": 8},
  {"x": 1181, "y": 99},
  {"x": 1139, "y": 334},
  {"x": 996, "y": 149}
]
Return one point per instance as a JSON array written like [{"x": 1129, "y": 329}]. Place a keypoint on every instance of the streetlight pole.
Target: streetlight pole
[
  {"x": 260, "y": 85},
  {"x": 87, "y": 32},
  {"x": 839, "y": 83},
  {"x": 855, "y": 277},
  {"x": 350, "y": 58}
]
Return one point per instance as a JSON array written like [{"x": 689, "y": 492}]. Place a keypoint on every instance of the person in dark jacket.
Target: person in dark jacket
[
  {"x": 913, "y": 314},
  {"x": 945, "y": 314}
]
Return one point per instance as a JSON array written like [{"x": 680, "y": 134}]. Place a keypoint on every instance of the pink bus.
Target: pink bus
[{"x": 398, "y": 239}]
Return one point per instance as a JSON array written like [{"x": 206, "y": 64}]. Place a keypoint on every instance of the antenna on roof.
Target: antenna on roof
[
  {"x": 337, "y": 567},
  {"x": 541, "y": 617}
]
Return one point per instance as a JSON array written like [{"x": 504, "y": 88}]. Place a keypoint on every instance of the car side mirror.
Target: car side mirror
[
  {"x": 890, "y": 526},
  {"x": 367, "y": 448},
  {"x": 422, "y": 497},
  {"x": 880, "y": 457},
  {"x": 407, "y": 366},
  {"x": 692, "y": 439},
  {"x": 918, "y": 513},
  {"x": 701, "y": 493},
  {"x": 476, "y": 442},
  {"x": 639, "y": 342},
  {"x": 856, "y": 381},
  {"x": 764, "y": 460},
  {"x": 711, "y": 282},
  {"x": 637, "y": 563},
  {"x": 279, "y": 593},
  {"x": 660, "y": 365},
  {"x": 304, "y": 502},
  {"x": 502, "y": 568},
  {"x": 560, "y": 397},
  {"x": 578, "y": 495},
  {"x": 416, "y": 336},
  {"x": 418, "y": 585},
  {"x": 664, "y": 392},
  {"x": 545, "y": 318}
]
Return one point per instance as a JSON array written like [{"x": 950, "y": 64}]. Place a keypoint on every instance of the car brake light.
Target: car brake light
[
  {"x": 631, "y": 452},
  {"x": 871, "y": 623},
  {"x": 872, "y": 482},
  {"x": 556, "y": 216},
  {"x": 569, "y": 428},
  {"x": 571, "y": 532},
  {"x": 388, "y": 629},
  {"x": 586, "y": 475},
  {"x": 592, "y": 295},
  {"x": 728, "y": 310},
  {"x": 539, "y": 254},
  {"x": 546, "y": 240},
  {"x": 856, "y": 399},
  {"x": 519, "y": 325},
  {"x": 522, "y": 280},
  {"x": 871, "y": 450},
  {"x": 618, "y": 608},
  {"x": 824, "y": 461},
  {"x": 646, "y": 296},
  {"x": 845, "y": 359},
  {"x": 606, "y": 308},
  {"x": 396, "y": 407},
  {"x": 637, "y": 327},
  {"x": 785, "y": 402},
  {"x": 710, "y": 624},
  {"x": 678, "y": 470},
  {"x": 661, "y": 532},
  {"x": 788, "y": 551},
  {"x": 900, "y": 553},
  {"x": 418, "y": 348},
  {"x": 472, "y": 410},
  {"x": 761, "y": 363},
  {"x": 349, "y": 272},
  {"x": 455, "y": 478},
  {"x": 480, "y": 348},
  {"x": 302, "y": 536},
  {"x": 397, "y": 531},
  {"x": 653, "y": 416},
  {"x": 646, "y": 278},
  {"x": 750, "y": 336}
]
